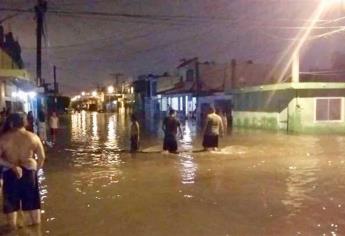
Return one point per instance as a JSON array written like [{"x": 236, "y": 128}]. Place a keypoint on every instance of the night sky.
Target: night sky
[{"x": 152, "y": 36}]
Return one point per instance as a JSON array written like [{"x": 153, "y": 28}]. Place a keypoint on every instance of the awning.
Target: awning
[
  {"x": 183, "y": 88},
  {"x": 14, "y": 73},
  {"x": 24, "y": 85}
]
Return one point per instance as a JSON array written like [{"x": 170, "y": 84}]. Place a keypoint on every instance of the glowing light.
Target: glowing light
[
  {"x": 332, "y": 2},
  {"x": 110, "y": 89},
  {"x": 32, "y": 94},
  {"x": 83, "y": 93},
  {"x": 94, "y": 93},
  {"x": 21, "y": 95},
  {"x": 294, "y": 49}
]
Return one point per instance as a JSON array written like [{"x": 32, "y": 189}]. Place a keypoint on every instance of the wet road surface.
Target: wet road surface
[{"x": 263, "y": 183}]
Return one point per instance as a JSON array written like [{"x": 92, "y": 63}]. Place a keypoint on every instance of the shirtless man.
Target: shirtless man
[
  {"x": 170, "y": 126},
  {"x": 20, "y": 187},
  {"x": 212, "y": 129}
]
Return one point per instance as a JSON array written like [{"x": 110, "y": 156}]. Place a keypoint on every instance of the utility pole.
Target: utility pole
[
  {"x": 40, "y": 10},
  {"x": 197, "y": 80},
  {"x": 56, "y": 89}
]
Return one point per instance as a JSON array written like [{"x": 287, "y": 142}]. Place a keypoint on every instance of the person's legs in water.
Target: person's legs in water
[
  {"x": 11, "y": 198},
  {"x": 1, "y": 178},
  {"x": 32, "y": 217},
  {"x": 205, "y": 142},
  {"x": 134, "y": 143},
  {"x": 31, "y": 203},
  {"x": 172, "y": 144}
]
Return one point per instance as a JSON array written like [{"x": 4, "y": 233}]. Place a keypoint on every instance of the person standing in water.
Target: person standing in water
[
  {"x": 30, "y": 122},
  {"x": 212, "y": 129},
  {"x": 20, "y": 181},
  {"x": 135, "y": 131},
  {"x": 170, "y": 127},
  {"x": 42, "y": 128},
  {"x": 54, "y": 125}
]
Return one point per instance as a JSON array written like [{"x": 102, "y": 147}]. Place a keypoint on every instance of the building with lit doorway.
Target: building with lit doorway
[{"x": 17, "y": 89}]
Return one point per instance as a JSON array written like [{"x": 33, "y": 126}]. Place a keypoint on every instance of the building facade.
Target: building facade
[
  {"x": 17, "y": 90},
  {"x": 266, "y": 100}
]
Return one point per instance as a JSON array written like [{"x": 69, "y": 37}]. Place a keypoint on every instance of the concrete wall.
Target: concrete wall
[
  {"x": 6, "y": 61},
  {"x": 288, "y": 110},
  {"x": 257, "y": 120},
  {"x": 303, "y": 119}
]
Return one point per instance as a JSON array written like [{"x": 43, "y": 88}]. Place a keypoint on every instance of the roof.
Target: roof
[
  {"x": 286, "y": 86},
  {"x": 180, "y": 88},
  {"x": 186, "y": 62}
]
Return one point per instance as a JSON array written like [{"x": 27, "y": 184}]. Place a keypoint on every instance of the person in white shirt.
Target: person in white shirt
[{"x": 54, "y": 125}]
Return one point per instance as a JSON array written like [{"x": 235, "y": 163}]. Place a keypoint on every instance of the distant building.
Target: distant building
[{"x": 196, "y": 87}]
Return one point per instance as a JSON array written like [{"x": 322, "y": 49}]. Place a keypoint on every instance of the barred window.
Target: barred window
[{"x": 328, "y": 109}]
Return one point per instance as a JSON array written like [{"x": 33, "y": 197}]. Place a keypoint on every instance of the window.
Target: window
[
  {"x": 190, "y": 75},
  {"x": 328, "y": 109},
  {"x": 174, "y": 103},
  {"x": 181, "y": 104},
  {"x": 164, "y": 104}
]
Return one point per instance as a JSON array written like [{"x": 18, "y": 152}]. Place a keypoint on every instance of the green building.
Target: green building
[{"x": 313, "y": 105}]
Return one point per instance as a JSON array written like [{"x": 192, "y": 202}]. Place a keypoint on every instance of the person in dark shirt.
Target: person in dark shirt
[
  {"x": 170, "y": 127},
  {"x": 30, "y": 122}
]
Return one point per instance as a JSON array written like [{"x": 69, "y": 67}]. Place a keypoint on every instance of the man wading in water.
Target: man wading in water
[
  {"x": 213, "y": 128},
  {"x": 170, "y": 126},
  {"x": 20, "y": 186}
]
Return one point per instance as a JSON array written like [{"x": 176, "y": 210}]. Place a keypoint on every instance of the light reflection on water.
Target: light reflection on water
[
  {"x": 263, "y": 184},
  {"x": 111, "y": 142},
  {"x": 300, "y": 184},
  {"x": 188, "y": 166}
]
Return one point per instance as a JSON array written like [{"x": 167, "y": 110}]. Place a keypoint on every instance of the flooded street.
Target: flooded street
[{"x": 261, "y": 184}]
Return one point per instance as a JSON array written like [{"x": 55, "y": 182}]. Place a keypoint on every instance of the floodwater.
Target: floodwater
[{"x": 263, "y": 183}]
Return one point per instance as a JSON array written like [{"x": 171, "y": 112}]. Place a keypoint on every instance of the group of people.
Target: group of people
[
  {"x": 19, "y": 167},
  {"x": 213, "y": 128},
  {"x": 42, "y": 126}
]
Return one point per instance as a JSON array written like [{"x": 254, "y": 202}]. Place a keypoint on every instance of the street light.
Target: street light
[
  {"x": 83, "y": 93},
  {"x": 331, "y": 2},
  {"x": 110, "y": 89},
  {"x": 94, "y": 93}
]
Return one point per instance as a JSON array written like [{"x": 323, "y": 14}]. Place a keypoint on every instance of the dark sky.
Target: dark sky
[{"x": 156, "y": 34}]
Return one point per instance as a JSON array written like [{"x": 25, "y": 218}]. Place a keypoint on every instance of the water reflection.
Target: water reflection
[
  {"x": 188, "y": 167},
  {"x": 111, "y": 142},
  {"x": 302, "y": 174},
  {"x": 301, "y": 184},
  {"x": 79, "y": 126},
  {"x": 43, "y": 185},
  {"x": 94, "y": 126}
]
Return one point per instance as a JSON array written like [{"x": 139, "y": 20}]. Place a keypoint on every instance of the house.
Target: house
[
  {"x": 195, "y": 87},
  {"x": 17, "y": 90},
  {"x": 264, "y": 99}
]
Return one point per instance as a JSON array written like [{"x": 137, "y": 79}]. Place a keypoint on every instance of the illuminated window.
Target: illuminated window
[
  {"x": 193, "y": 103},
  {"x": 328, "y": 109},
  {"x": 164, "y": 104},
  {"x": 174, "y": 103}
]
